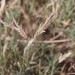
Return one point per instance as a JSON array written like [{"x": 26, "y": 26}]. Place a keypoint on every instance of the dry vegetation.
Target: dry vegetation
[{"x": 37, "y": 37}]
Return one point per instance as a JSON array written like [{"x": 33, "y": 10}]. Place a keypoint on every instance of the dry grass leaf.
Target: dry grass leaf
[
  {"x": 3, "y": 2},
  {"x": 66, "y": 23},
  {"x": 64, "y": 56},
  {"x": 62, "y": 73},
  {"x": 5, "y": 48}
]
